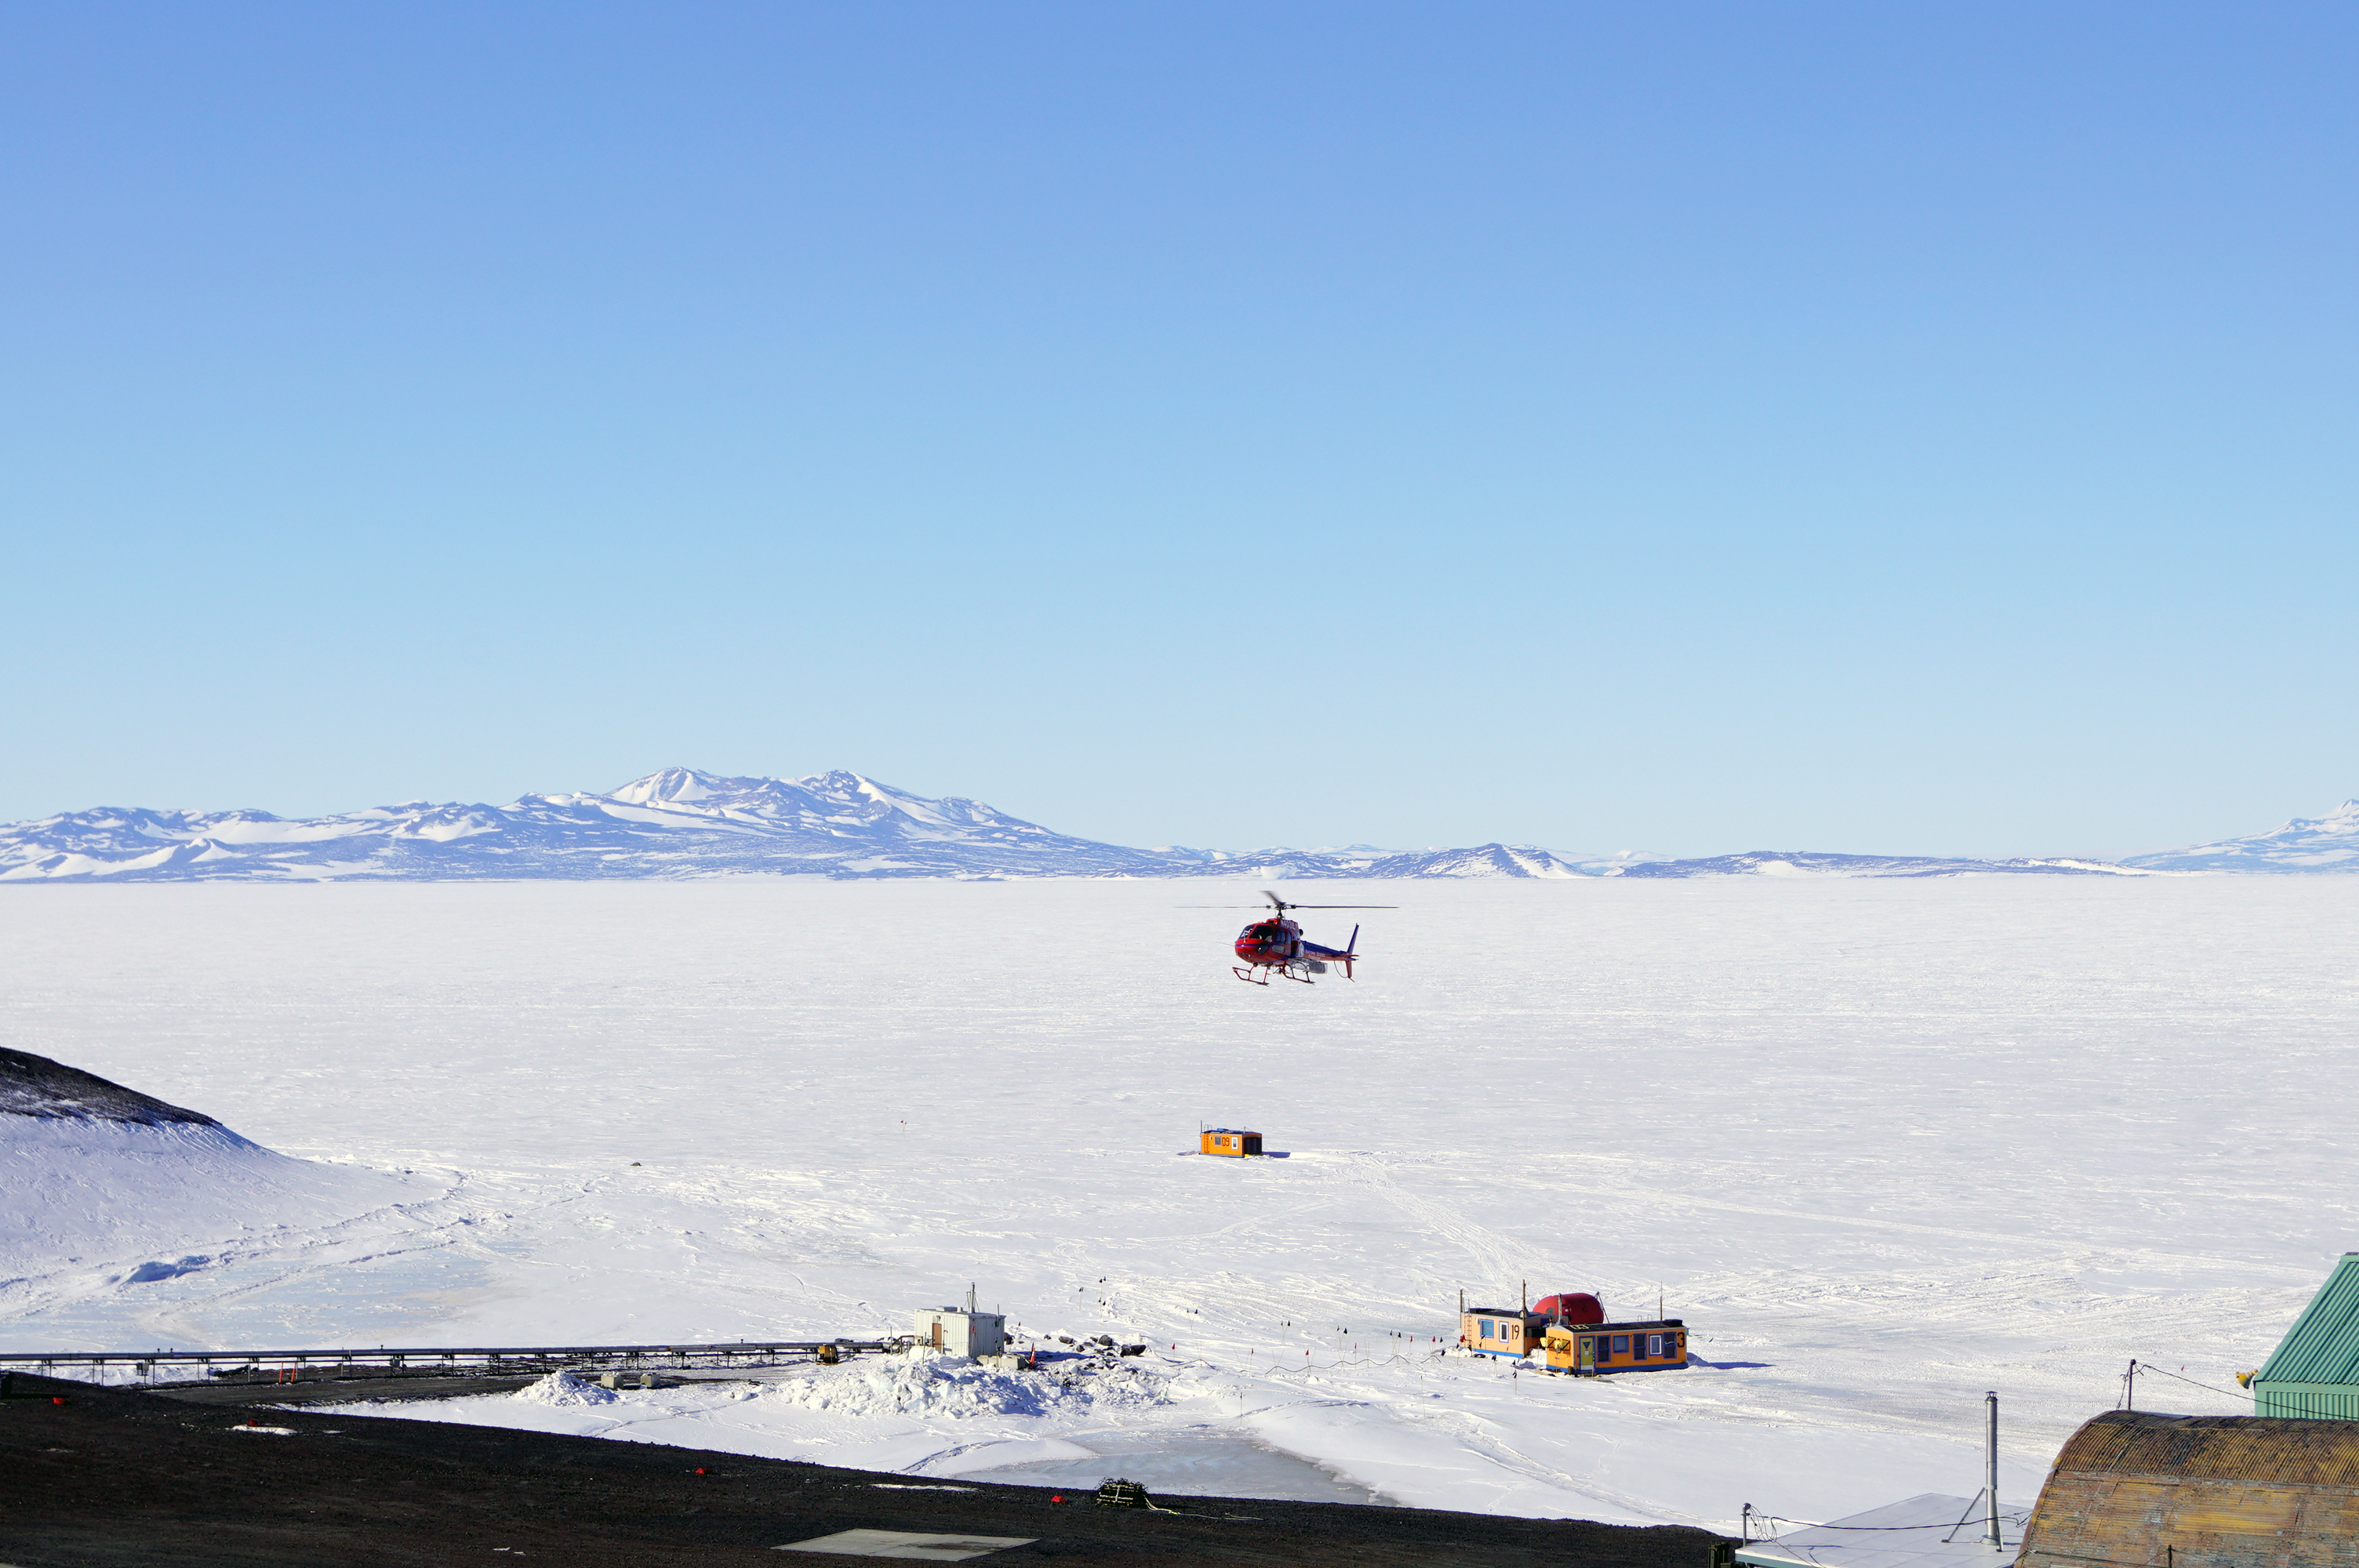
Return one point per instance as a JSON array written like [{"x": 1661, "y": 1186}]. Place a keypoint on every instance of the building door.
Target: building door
[
  {"x": 937, "y": 1333},
  {"x": 1588, "y": 1353}
]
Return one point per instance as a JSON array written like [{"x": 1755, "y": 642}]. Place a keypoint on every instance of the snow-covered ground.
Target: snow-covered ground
[{"x": 1882, "y": 1144}]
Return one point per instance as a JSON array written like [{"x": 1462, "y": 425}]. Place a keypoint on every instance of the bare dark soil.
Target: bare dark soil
[{"x": 120, "y": 1478}]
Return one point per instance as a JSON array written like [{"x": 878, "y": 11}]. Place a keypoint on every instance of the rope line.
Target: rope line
[
  {"x": 2146, "y": 1366},
  {"x": 2017, "y": 1516}
]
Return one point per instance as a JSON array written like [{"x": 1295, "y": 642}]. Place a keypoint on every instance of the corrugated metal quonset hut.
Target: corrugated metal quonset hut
[
  {"x": 2314, "y": 1372},
  {"x": 2216, "y": 1491}
]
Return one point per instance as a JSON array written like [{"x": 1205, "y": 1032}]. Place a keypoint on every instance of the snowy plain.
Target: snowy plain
[{"x": 1884, "y": 1144}]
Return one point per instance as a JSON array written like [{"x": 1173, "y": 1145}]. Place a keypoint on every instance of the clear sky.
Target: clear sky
[{"x": 1911, "y": 427}]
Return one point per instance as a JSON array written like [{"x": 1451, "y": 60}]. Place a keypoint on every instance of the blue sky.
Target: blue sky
[{"x": 1695, "y": 428}]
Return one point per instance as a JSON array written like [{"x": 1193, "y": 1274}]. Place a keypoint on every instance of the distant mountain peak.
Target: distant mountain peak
[
  {"x": 668, "y": 785},
  {"x": 2327, "y": 843}
]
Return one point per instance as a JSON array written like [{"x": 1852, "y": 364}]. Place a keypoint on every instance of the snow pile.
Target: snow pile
[
  {"x": 925, "y": 1382},
  {"x": 564, "y": 1390}
]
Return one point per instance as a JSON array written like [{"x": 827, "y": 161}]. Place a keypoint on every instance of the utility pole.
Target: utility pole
[{"x": 1990, "y": 1474}]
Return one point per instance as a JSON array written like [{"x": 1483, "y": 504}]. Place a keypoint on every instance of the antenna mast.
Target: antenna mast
[{"x": 1990, "y": 1478}]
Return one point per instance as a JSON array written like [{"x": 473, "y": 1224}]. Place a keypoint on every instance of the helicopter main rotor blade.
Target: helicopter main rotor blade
[{"x": 1285, "y": 906}]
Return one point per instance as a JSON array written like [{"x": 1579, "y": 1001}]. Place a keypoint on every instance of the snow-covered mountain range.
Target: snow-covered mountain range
[
  {"x": 675, "y": 823},
  {"x": 2327, "y": 843},
  {"x": 1816, "y": 863},
  {"x": 680, "y": 822}
]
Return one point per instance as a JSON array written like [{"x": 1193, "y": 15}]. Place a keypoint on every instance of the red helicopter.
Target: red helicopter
[{"x": 1277, "y": 944}]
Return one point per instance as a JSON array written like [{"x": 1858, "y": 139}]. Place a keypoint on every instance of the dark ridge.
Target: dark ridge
[
  {"x": 112, "y": 1478},
  {"x": 34, "y": 1086}
]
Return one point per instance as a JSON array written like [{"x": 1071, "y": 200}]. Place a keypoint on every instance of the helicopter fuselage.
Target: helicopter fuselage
[{"x": 1280, "y": 945}]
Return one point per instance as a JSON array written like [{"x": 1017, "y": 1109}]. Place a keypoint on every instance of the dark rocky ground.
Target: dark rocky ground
[
  {"x": 34, "y": 1086},
  {"x": 115, "y": 1478}
]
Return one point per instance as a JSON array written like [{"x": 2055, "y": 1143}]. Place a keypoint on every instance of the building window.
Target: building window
[
  {"x": 1654, "y": 1344},
  {"x": 1482, "y": 1327},
  {"x": 1621, "y": 1345}
]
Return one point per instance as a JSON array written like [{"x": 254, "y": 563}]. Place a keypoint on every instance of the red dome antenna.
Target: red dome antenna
[{"x": 1570, "y": 1306}]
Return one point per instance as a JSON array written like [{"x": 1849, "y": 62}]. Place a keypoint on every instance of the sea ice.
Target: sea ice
[{"x": 1884, "y": 1144}]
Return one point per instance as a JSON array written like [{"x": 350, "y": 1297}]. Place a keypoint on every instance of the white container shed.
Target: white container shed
[{"x": 962, "y": 1331}]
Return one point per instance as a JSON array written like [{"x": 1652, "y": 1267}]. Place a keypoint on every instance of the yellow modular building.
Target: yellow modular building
[
  {"x": 1501, "y": 1331},
  {"x": 1654, "y": 1346}
]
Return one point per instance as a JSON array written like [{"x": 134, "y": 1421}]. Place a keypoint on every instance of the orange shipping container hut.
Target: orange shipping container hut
[
  {"x": 1653, "y": 1347},
  {"x": 1567, "y": 1333},
  {"x": 1496, "y": 1331},
  {"x": 1228, "y": 1140},
  {"x": 1502, "y": 1331}
]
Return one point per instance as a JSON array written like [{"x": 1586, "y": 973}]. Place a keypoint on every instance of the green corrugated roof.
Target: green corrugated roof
[{"x": 2322, "y": 1346}]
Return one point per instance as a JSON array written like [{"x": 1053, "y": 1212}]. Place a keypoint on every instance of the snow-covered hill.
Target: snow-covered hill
[
  {"x": 675, "y": 823},
  {"x": 2327, "y": 843},
  {"x": 108, "y": 1187}
]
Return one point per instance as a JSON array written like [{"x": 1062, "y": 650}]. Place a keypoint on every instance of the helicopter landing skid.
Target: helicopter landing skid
[{"x": 1285, "y": 971}]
